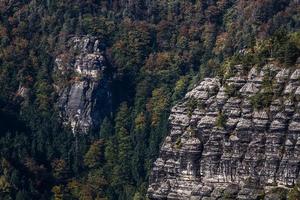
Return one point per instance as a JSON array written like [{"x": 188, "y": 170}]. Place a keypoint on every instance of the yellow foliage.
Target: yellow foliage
[
  {"x": 4, "y": 185},
  {"x": 157, "y": 104},
  {"x": 74, "y": 187},
  {"x": 58, "y": 166},
  {"x": 140, "y": 121},
  {"x": 58, "y": 192},
  {"x": 295, "y": 38}
]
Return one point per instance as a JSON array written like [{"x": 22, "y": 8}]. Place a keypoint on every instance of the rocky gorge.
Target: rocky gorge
[{"x": 236, "y": 137}]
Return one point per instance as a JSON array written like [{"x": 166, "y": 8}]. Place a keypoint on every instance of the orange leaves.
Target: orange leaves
[
  {"x": 20, "y": 44},
  {"x": 159, "y": 61},
  {"x": 3, "y": 31},
  {"x": 221, "y": 42}
]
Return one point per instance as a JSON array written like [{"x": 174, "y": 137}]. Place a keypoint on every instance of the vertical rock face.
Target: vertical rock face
[
  {"x": 223, "y": 144},
  {"x": 82, "y": 82}
]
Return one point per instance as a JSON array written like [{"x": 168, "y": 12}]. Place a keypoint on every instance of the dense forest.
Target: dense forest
[{"x": 158, "y": 50}]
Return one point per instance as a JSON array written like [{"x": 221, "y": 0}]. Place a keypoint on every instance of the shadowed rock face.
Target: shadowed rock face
[
  {"x": 221, "y": 145},
  {"x": 84, "y": 96}
]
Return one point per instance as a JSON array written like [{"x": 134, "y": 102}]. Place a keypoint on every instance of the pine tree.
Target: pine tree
[
  {"x": 106, "y": 129},
  {"x": 123, "y": 118},
  {"x": 94, "y": 157},
  {"x": 111, "y": 152},
  {"x": 140, "y": 133},
  {"x": 121, "y": 173},
  {"x": 124, "y": 155},
  {"x": 22, "y": 195}
]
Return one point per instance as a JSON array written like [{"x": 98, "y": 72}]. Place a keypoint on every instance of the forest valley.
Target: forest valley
[{"x": 157, "y": 50}]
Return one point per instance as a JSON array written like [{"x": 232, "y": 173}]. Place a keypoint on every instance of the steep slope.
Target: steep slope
[
  {"x": 82, "y": 84},
  {"x": 234, "y": 138},
  {"x": 157, "y": 49}
]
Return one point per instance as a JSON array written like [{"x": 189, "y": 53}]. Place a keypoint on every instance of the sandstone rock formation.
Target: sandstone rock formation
[
  {"x": 233, "y": 138},
  {"x": 82, "y": 83}
]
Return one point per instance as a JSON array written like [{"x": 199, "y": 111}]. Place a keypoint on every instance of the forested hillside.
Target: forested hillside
[{"x": 157, "y": 50}]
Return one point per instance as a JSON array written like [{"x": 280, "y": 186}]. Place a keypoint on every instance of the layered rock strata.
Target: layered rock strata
[
  {"x": 82, "y": 83},
  {"x": 222, "y": 144}
]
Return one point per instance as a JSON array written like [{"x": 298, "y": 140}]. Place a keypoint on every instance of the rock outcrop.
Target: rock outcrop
[
  {"x": 234, "y": 139},
  {"x": 82, "y": 82}
]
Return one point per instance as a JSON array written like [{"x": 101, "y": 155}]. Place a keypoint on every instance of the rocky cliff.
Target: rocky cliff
[
  {"x": 82, "y": 82},
  {"x": 235, "y": 138}
]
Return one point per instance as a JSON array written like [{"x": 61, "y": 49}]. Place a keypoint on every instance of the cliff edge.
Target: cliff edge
[{"x": 233, "y": 138}]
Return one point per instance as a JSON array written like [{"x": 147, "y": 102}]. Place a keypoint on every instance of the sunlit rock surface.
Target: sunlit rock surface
[{"x": 221, "y": 145}]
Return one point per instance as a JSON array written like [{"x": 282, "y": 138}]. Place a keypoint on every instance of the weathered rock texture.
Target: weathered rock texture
[
  {"x": 221, "y": 146},
  {"x": 82, "y": 83}
]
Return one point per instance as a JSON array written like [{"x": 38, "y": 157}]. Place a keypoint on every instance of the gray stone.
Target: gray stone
[
  {"x": 254, "y": 149},
  {"x": 85, "y": 99}
]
